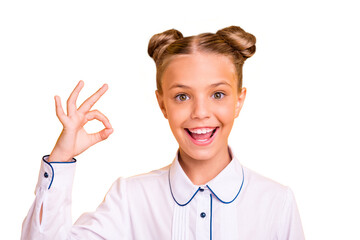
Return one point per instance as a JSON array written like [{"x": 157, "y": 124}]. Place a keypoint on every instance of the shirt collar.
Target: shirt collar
[{"x": 226, "y": 186}]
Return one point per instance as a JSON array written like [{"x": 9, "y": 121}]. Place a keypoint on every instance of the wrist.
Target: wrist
[{"x": 55, "y": 157}]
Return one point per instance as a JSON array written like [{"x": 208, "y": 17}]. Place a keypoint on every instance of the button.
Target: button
[
  {"x": 46, "y": 175},
  {"x": 201, "y": 189},
  {"x": 202, "y": 214}
]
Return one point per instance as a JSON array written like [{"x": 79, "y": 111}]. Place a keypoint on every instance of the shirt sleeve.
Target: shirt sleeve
[
  {"x": 53, "y": 192},
  {"x": 290, "y": 224}
]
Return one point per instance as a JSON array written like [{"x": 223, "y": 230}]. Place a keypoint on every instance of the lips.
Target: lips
[{"x": 202, "y": 136}]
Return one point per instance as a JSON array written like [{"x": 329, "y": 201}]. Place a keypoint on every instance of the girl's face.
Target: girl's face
[{"x": 200, "y": 99}]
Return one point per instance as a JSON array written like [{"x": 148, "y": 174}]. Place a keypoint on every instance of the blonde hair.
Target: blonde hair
[{"x": 231, "y": 41}]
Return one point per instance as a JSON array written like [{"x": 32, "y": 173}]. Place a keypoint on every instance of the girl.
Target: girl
[{"x": 205, "y": 193}]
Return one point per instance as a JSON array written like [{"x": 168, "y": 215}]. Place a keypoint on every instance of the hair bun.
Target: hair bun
[
  {"x": 159, "y": 42},
  {"x": 238, "y": 39}
]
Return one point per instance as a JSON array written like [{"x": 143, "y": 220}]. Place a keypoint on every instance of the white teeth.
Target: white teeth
[{"x": 201, "y": 130}]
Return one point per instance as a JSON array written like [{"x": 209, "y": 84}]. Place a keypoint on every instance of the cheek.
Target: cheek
[
  {"x": 226, "y": 112},
  {"x": 177, "y": 115}
]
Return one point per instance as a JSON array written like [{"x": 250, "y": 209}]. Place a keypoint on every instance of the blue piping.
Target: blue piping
[
  {"x": 174, "y": 197},
  {"x": 236, "y": 194},
  {"x": 52, "y": 169}
]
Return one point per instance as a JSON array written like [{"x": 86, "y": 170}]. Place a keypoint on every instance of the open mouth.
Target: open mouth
[{"x": 202, "y": 136}]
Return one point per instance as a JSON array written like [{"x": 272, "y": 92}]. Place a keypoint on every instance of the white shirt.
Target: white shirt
[{"x": 164, "y": 204}]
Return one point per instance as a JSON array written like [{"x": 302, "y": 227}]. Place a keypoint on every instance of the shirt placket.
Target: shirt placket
[{"x": 203, "y": 214}]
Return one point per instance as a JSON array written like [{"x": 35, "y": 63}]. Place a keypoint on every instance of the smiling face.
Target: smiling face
[{"x": 200, "y": 98}]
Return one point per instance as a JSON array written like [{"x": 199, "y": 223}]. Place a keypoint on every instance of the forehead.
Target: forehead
[{"x": 199, "y": 69}]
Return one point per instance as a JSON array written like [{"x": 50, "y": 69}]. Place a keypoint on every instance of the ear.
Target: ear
[
  {"x": 240, "y": 101},
  {"x": 160, "y": 100}
]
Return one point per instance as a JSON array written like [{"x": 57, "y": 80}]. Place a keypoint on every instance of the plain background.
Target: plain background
[{"x": 299, "y": 125}]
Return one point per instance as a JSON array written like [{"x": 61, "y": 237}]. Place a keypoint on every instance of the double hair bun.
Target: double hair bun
[{"x": 239, "y": 40}]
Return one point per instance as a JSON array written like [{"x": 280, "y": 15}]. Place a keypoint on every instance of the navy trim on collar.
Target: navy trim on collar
[
  {"x": 226, "y": 186},
  {"x": 236, "y": 194},
  {"x": 184, "y": 204}
]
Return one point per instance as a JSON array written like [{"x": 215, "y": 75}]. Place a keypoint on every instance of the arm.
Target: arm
[
  {"x": 109, "y": 221},
  {"x": 52, "y": 202},
  {"x": 53, "y": 191}
]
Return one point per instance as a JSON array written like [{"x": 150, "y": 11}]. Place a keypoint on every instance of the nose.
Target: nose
[{"x": 200, "y": 109}]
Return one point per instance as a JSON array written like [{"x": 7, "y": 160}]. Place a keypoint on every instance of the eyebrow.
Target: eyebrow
[
  {"x": 220, "y": 83},
  {"x": 212, "y": 85}
]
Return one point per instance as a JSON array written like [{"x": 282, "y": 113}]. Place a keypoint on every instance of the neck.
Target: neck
[{"x": 202, "y": 171}]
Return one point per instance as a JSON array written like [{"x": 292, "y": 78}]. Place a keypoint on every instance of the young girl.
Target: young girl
[{"x": 205, "y": 193}]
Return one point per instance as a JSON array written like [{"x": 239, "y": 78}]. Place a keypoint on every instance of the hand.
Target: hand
[{"x": 73, "y": 139}]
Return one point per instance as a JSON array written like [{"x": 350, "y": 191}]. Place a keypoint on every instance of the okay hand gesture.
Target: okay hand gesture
[{"x": 73, "y": 139}]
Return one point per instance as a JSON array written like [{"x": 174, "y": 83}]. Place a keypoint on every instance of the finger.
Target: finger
[
  {"x": 87, "y": 105},
  {"x": 71, "y": 102},
  {"x": 59, "y": 110},
  {"x": 102, "y": 135},
  {"x": 95, "y": 114}
]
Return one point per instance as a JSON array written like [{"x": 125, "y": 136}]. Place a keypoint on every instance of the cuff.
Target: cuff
[{"x": 56, "y": 174}]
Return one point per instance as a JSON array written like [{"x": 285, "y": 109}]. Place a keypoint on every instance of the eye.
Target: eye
[
  {"x": 218, "y": 95},
  {"x": 181, "y": 97}
]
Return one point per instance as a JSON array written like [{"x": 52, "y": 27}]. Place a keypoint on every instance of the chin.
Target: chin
[{"x": 199, "y": 153}]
